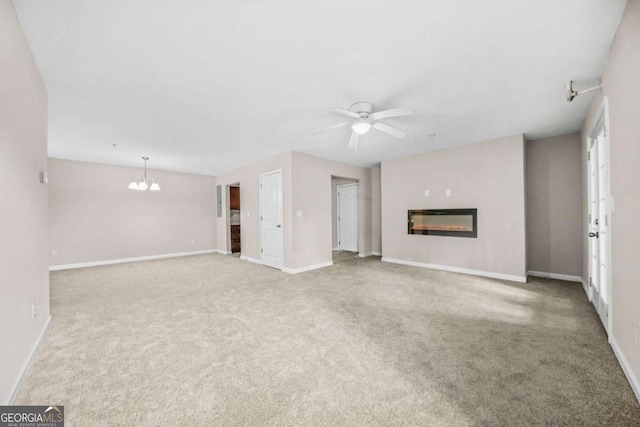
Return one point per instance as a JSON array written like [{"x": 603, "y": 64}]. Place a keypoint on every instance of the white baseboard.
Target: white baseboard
[
  {"x": 32, "y": 355},
  {"x": 585, "y": 287},
  {"x": 253, "y": 260},
  {"x": 124, "y": 260},
  {"x": 631, "y": 376},
  {"x": 513, "y": 278},
  {"x": 336, "y": 248},
  {"x": 566, "y": 277},
  {"x": 222, "y": 252},
  {"x": 366, "y": 254},
  {"x": 309, "y": 268}
]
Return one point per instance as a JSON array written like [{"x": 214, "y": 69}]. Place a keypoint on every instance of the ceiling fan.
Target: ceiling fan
[{"x": 364, "y": 119}]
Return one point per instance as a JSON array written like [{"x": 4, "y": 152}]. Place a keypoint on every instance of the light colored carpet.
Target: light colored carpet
[
  {"x": 213, "y": 340},
  {"x": 339, "y": 256}
]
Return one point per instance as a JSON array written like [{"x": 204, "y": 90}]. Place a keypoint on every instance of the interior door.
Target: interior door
[
  {"x": 599, "y": 224},
  {"x": 348, "y": 217},
  {"x": 271, "y": 232}
]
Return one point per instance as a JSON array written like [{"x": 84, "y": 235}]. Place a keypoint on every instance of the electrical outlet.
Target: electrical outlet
[
  {"x": 427, "y": 193},
  {"x": 54, "y": 252},
  {"x": 193, "y": 241},
  {"x": 447, "y": 193},
  {"x": 248, "y": 214},
  {"x": 33, "y": 310}
]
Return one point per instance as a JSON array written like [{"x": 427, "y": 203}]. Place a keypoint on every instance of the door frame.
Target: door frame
[
  {"x": 228, "y": 216},
  {"x": 357, "y": 213},
  {"x": 601, "y": 120},
  {"x": 281, "y": 174}
]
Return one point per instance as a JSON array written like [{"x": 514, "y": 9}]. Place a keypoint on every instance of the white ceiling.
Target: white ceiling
[{"x": 208, "y": 86}]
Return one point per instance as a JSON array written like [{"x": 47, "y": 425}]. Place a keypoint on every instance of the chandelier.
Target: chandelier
[{"x": 144, "y": 183}]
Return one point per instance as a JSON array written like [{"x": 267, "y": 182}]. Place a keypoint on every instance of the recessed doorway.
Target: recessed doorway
[
  {"x": 344, "y": 201},
  {"x": 234, "y": 230}
]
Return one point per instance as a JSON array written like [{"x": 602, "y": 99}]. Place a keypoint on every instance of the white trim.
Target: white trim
[
  {"x": 626, "y": 367},
  {"x": 336, "y": 249},
  {"x": 367, "y": 254},
  {"x": 253, "y": 260},
  {"x": 32, "y": 355},
  {"x": 222, "y": 252},
  {"x": 124, "y": 260},
  {"x": 514, "y": 278},
  {"x": 567, "y": 277},
  {"x": 585, "y": 287},
  {"x": 338, "y": 187},
  {"x": 309, "y": 268}
]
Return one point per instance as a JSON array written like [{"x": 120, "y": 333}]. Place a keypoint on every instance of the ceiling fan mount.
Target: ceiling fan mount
[
  {"x": 362, "y": 108},
  {"x": 363, "y": 118}
]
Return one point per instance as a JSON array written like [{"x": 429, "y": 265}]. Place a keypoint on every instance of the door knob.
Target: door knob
[
  {"x": 594, "y": 234},
  {"x": 278, "y": 226}
]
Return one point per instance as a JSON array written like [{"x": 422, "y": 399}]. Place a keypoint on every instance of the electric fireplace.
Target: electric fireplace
[{"x": 444, "y": 222}]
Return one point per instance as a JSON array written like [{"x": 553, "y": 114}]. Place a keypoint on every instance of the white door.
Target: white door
[
  {"x": 599, "y": 223},
  {"x": 348, "y": 217},
  {"x": 271, "y": 233}
]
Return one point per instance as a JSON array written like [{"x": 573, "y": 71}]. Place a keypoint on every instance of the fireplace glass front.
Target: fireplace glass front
[{"x": 444, "y": 222}]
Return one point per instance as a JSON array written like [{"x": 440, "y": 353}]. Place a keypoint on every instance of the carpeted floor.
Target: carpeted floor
[
  {"x": 340, "y": 256},
  {"x": 213, "y": 340}
]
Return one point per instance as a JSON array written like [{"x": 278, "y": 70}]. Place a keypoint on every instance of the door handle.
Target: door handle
[
  {"x": 594, "y": 234},
  {"x": 278, "y": 225}
]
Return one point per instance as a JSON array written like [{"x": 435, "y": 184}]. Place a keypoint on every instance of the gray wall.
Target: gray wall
[
  {"x": 622, "y": 87},
  {"x": 24, "y": 276},
  {"x": 554, "y": 205},
  {"x": 488, "y": 176},
  {"x": 93, "y": 216},
  {"x": 311, "y": 190},
  {"x": 249, "y": 179}
]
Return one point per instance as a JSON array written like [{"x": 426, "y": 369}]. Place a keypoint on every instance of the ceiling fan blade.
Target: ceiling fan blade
[
  {"x": 346, "y": 113},
  {"x": 390, "y": 130},
  {"x": 396, "y": 112},
  {"x": 329, "y": 128},
  {"x": 353, "y": 141}
]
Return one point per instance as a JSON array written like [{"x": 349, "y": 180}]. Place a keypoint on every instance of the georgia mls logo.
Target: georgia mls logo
[{"x": 31, "y": 416}]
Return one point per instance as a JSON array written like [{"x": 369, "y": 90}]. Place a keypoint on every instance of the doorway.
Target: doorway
[
  {"x": 271, "y": 219},
  {"x": 599, "y": 219},
  {"x": 234, "y": 231},
  {"x": 344, "y": 218}
]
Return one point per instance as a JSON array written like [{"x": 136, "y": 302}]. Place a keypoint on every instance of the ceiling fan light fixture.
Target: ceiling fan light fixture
[
  {"x": 154, "y": 187},
  {"x": 361, "y": 127}
]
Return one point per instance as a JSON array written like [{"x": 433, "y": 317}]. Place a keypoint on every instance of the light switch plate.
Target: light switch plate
[
  {"x": 447, "y": 193},
  {"x": 299, "y": 213},
  {"x": 427, "y": 193}
]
